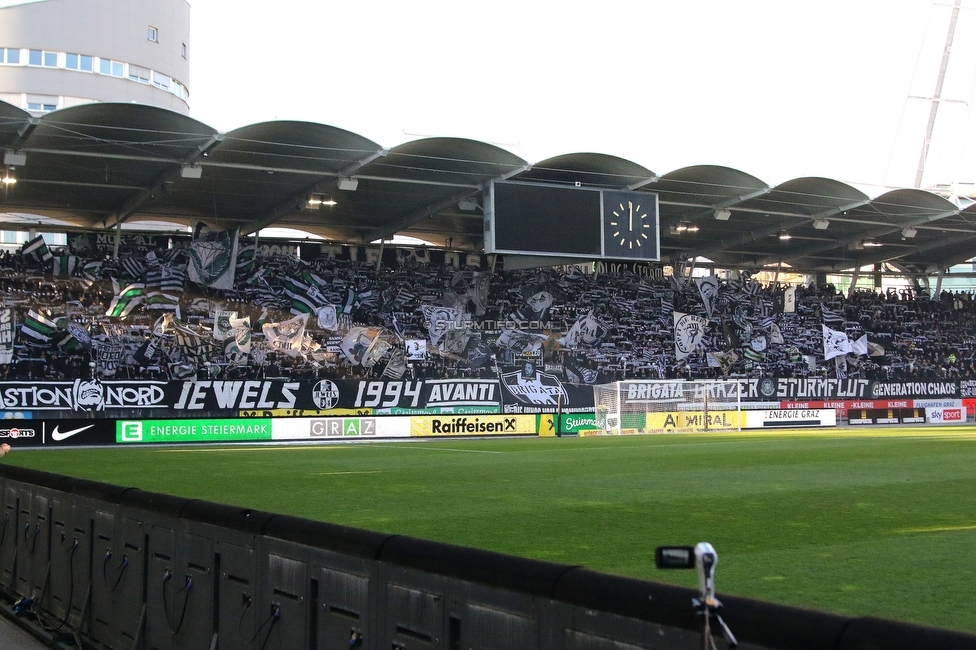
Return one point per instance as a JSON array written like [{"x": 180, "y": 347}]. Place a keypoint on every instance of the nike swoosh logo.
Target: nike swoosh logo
[{"x": 58, "y": 436}]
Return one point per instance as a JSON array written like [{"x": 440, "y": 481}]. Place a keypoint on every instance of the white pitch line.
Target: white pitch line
[{"x": 371, "y": 471}]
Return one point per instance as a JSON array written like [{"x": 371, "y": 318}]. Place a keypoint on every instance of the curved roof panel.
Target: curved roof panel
[
  {"x": 98, "y": 164},
  {"x": 12, "y": 121},
  {"x": 589, "y": 169}
]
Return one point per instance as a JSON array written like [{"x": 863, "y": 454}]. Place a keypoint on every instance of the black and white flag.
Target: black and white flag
[
  {"x": 708, "y": 288},
  {"x": 688, "y": 332},
  {"x": 6, "y": 334},
  {"x": 835, "y": 343}
]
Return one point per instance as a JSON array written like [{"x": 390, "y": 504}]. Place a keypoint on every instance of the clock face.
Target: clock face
[{"x": 630, "y": 225}]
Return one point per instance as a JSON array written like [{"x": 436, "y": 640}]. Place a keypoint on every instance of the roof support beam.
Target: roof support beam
[
  {"x": 869, "y": 234},
  {"x": 327, "y": 183},
  {"x": 934, "y": 245},
  {"x": 643, "y": 183},
  {"x": 136, "y": 200},
  {"x": 24, "y": 132},
  {"x": 709, "y": 209},
  {"x": 748, "y": 237},
  {"x": 872, "y": 234},
  {"x": 434, "y": 208}
]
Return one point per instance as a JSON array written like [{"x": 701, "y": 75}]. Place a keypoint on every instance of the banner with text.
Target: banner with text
[
  {"x": 513, "y": 393},
  {"x": 191, "y": 431}
]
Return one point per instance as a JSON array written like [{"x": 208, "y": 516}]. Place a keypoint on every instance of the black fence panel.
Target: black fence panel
[
  {"x": 127, "y": 569},
  {"x": 151, "y": 525},
  {"x": 327, "y": 571}
]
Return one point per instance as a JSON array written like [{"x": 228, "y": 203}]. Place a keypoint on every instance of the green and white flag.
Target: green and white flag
[
  {"x": 213, "y": 258},
  {"x": 237, "y": 345},
  {"x": 37, "y": 248},
  {"x": 159, "y": 301},
  {"x": 64, "y": 265},
  {"x": 126, "y": 299},
  {"x": 37, "y": 328},
  {"x": 305, "y": 293}
]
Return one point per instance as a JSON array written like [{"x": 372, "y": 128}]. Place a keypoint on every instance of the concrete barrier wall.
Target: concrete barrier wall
[{"x": 123, "y": 568}]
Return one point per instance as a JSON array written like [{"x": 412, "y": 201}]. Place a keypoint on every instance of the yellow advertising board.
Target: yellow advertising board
[
  {"x": 474, "y": 425},
  {"x": 547, "y": 425},
  {"x": 694, "y": 421}
]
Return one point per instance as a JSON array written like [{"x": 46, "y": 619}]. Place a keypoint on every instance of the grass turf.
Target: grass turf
[{"x": 875, "y": 522}]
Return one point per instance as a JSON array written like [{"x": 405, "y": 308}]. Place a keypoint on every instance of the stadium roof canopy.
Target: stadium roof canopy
[{"x": 94, "y": 166}]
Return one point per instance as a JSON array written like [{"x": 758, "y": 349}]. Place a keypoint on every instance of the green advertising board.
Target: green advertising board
[
  {"x": 180, "y": 431},
  {"x": 576, "y": 422}
]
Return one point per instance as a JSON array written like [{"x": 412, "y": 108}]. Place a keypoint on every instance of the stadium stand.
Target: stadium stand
[{"x": 338, "y": 318}]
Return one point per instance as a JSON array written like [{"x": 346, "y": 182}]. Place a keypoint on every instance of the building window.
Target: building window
[
  {"x": 107, "y": 66},
  {"x": 161, "y": 80},
  {"x": 78, "y": 62},
  {"x": 184, "y": 50},
  {"x": 153, "y": 34},
  {"x": 40, "y": 57},
  {"x": 13, "y": 55},
  {"x": 138, "y": 74}
]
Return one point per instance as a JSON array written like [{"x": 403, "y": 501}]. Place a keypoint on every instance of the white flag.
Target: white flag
[
  {"x": 835, "y": 343},
  {"x": 789, "y": 300},
  {"x": 286, "y": 336},
  {"x": 358, "y": 342},
  {"x": 586, "y": 331},
  {"x": 416, "y": 349},
  {"x": 328, "y": 319},
  {"x": 688, "y": 332},
  {"x": 860, "y": 346}
]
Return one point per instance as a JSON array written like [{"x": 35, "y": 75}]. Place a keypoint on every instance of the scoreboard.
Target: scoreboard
[{"x": 563, "y": 221}]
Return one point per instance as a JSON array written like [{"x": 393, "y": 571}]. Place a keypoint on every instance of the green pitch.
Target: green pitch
[{"x": 875, "y": 522}]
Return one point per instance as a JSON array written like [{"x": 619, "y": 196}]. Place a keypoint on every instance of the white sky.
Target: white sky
[{"x": 777, "y": 88}]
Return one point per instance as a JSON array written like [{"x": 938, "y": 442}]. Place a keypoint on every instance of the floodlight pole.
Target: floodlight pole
[
  {"x": 118, "y": 237},
  {"x": 937, "y": 95}
]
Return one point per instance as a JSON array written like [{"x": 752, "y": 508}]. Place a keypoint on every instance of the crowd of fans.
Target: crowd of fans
[{"x": 627, "y": 320}]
